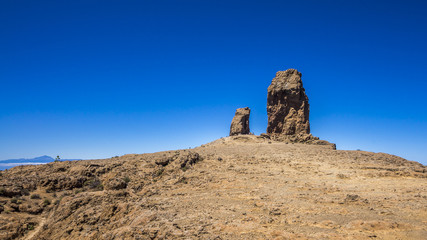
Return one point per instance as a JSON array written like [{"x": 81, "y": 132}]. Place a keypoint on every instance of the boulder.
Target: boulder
[{"x": 240, "y": 122}]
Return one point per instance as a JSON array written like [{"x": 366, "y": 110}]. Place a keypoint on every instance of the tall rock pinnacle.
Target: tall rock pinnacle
[
  {"x": 287, "y": 106},
  {"x": 240, "y": 122}
]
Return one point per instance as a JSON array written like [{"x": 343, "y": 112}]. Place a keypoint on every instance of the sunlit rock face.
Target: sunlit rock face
[
  {"x": 240, "y": 122},
  {"x": 287, "y": 105}
]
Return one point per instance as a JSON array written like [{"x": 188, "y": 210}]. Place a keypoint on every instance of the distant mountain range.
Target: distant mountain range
[{"x": 10, "y": 163}]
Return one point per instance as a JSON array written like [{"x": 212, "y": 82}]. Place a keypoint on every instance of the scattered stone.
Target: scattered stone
[
  {"x": 240, "y": 122},
  {"x": 351, "y": 198},
  {"x": 163, "y": 161},
  {"x": 116, "y": 184},
  {"x": 264, "y": 135}
]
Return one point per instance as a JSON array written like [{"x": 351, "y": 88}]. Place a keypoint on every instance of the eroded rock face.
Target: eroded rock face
[
  {"x": 287, "y": 105},
  {"x": 240, "y": 122}
]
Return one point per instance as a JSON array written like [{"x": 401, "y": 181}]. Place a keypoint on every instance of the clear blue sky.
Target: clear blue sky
[{"x": 95, "y": 79}]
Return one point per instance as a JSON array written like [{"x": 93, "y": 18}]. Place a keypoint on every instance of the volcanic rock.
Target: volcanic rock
[
  {"x": 240, "y": 122},
  {"x": 287, "y": 105},
  {"x": 237, "y": 187}
]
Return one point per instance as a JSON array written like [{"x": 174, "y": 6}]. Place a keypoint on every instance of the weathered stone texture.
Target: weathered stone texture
[
  {"x": 287, "y": 105},
  {"x": 240, "y": 122}
]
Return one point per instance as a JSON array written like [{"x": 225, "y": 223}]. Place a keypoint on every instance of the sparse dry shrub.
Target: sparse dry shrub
[
  {"x": 46, "y": 202},
  {"x": 159, "y": 172},
  {"x": 126, "y": 179},
  {"x": 94, "y": 184},
  {"x": 30, "y": 226},
  {"x": 35, "y": 196},
  {"x": 185, "y": 168},
  {"x": 25, "y": 192}
]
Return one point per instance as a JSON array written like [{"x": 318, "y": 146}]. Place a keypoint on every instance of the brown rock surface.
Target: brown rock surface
[
  {"x": 240, "y": 122},
  {"x": 287, "y": 105},
  {"x": 239, "y": 187}
]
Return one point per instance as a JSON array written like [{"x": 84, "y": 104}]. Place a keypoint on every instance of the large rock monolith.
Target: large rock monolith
[
  {"x": 240, "y": 122},
  {"x": 287, "y": 106}
]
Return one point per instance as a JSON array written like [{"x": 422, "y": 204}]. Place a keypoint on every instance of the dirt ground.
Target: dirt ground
[{"x": 241, "y": 187}]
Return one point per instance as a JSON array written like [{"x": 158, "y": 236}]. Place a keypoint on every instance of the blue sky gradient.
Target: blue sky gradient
[{"x": 95, "y": 79}]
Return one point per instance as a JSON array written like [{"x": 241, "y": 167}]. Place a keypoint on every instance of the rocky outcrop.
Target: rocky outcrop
[
  {"x": 288, "y": 110},
  {"x": 240, "y": 122},
  {"x": 287, "y": 105}
]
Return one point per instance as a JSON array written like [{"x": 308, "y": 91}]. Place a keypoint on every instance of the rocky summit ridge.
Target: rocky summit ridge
[
  {"x": 288, "y": 111},
  {"x": 238, "y": 187}
]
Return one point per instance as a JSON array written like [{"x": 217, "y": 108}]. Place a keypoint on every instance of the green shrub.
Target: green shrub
[
  {"x": 30, "y": 226},
  {"x": 159, "y": 172},
  {"x": 46, "y": 202},
  {"x": 126, "y": 179},
  {"x": 185, "y": 168}
]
